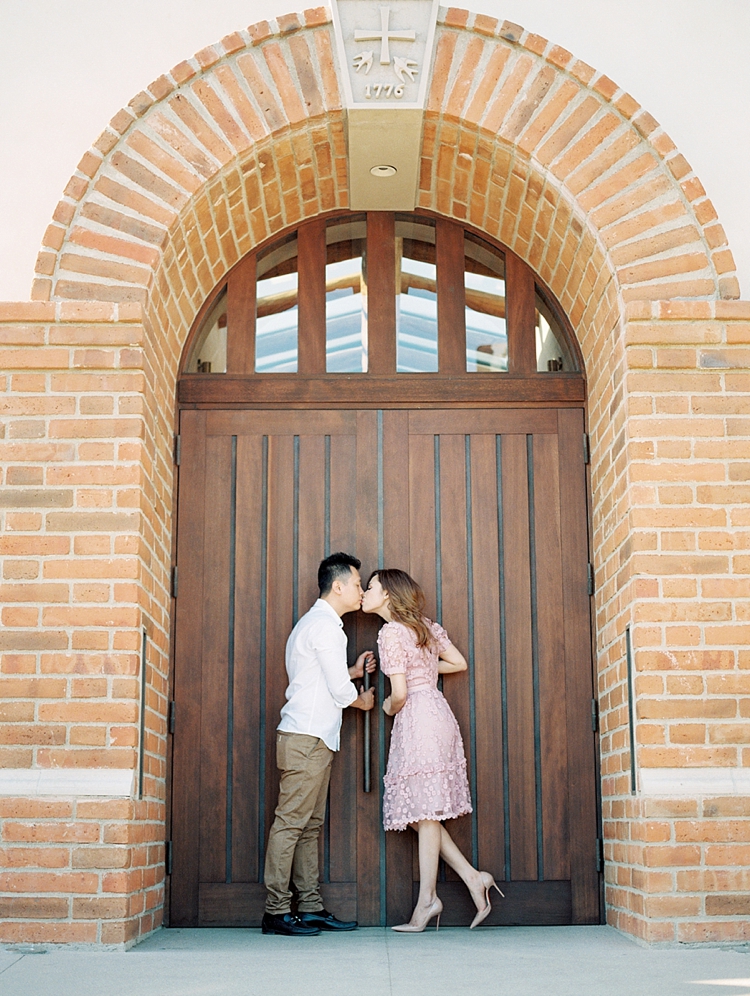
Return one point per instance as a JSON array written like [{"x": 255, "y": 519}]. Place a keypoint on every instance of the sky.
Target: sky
[{"x": 69, "y": 65}]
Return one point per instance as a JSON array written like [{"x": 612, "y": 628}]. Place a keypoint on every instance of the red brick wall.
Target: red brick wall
[
  {"x": 671, "y": 538},
  {"x": 85, "y": 560}
]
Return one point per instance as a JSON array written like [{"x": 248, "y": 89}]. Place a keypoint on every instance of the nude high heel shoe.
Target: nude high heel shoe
[
  {"x": 488, "y": 882},
  {"x": 435, "y": 909}
]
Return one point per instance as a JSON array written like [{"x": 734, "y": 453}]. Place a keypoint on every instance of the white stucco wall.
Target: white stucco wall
[{"x": 69, "y": 65}]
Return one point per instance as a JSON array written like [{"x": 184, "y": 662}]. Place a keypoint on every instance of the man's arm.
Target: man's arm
[{"x": 330, "y": 650}]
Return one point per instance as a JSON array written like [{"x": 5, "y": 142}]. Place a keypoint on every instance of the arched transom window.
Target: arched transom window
[{"x": 381, "y": 295}]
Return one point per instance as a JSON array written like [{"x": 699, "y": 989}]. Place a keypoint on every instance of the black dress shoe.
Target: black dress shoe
[
  {"x": 326, "y": 921},
  {"x": 287, "y": 923}
]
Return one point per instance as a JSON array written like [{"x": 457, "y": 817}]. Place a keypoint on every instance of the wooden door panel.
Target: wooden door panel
[
  {"x": 215, "y": 671},
  {"x": 340, "y": 842},
  {"x": 269, "y": 502},
  {"x": 519, "y": 660},
  {"x": 370, "y": 840},
  {"x": 455, "y": 588},
  {"x": 482, "y": 421},
  {"x": 280, "y": 423},
  {"x": 249, "y": 719},
  {"x": 186, "y": 689},
  {"x": 310, "y": 498},
  {"x": 279, "y": 609},
  {"x": 487, "y": 509},
  {"x": 487, "y": 536},
  {"x": 400, "y": 848},
  {"x": 578, "y": 671},
  {"x": 550, "y": 648},
  {"x": 489, "y": 658},
  {"x": 422, "y": 531}
]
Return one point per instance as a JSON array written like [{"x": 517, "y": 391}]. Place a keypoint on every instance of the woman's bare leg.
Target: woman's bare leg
[
  {"x": 451, "y": 855},
  {"x": 428, "y": 832},
  {"x": 430, "y": 836}
]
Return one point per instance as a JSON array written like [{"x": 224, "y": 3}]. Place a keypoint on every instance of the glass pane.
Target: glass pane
[
  {"x": 416, "y": 296},
  {"x": 552, "y": 352},
  {"x": 484, "y": 283},
  {"x": 346, "y": 297},
  {"x": 209, "y": 354},
  {"x": 276, "y": 310}
]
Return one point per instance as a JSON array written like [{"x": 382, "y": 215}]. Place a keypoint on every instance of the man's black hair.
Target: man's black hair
[{"x": 338, "y": 565}]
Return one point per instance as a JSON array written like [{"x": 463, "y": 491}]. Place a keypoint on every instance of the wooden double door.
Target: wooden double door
[{"x": 486, "y": 508}]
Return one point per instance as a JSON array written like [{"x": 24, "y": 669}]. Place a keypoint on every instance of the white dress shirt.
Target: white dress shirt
[{"x": 319, "y": 684}]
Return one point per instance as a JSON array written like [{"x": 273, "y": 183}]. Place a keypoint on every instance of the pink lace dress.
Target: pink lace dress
[{"x": 426, "y": 774}]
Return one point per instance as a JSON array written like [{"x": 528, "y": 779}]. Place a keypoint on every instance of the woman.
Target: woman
[{"x": 425, "y": 782}]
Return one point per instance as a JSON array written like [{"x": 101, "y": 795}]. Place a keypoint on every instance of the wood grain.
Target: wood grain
[
  {"x": 311, "y": 297},
  {"x": 354, "y": 845},
  {"x": 369, "y": 854},
  {"x": 487, "y": 663},
  {"x": 520, "y": 709},
  {"x": 246, "y": 807},
  {"x": 364, "y": 391},
  {"x": 241, "y": 304},
  {"x": 455, "y": 583},
  {"x": 451, "y": 297},
  {"x": 520, "y": 316},
  {"x": 380, "y": 268},
  {"x": 215, "y": 639},
  {"x": 188, "y": 662},
  {"x": 550, "y": 624},
  {"x": 582, "y": 783}
]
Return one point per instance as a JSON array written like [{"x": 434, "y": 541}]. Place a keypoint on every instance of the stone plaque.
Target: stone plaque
[{"x": 385, "y": 50}]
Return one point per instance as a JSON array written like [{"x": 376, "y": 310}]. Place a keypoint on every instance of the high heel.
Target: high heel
[
  {"x": 488, "y": 882},
  {"x": 436, "y": 908}
]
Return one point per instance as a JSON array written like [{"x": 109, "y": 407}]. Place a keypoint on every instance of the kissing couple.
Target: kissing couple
[{"x": 425, "y": 781}]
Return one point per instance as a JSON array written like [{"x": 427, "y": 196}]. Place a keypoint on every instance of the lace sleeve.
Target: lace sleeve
[
  {"x": 442, "y": 640},
  {"x": 394, "y": 655}
]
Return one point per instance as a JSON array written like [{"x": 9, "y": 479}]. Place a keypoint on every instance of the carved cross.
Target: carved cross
[{"x": 384, "y": 36}]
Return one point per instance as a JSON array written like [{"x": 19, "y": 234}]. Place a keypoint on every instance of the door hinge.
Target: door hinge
[
  {"x": 174, "y": 581},
  {"x": 170, "y": 718},
  {"x": 586, "y": 448},
  {"x": 168, "y": 857},
  {"x": 599, "y": 854},
  {"x": 590, "y": 575},
  {"x": 594, "y": 716},
  {"x": 177, "y": 449}
]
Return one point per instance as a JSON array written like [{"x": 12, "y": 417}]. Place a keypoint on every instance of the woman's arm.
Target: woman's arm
[
  {"x": 397, "y": 699},
  {"x": 451, "y": 660}
]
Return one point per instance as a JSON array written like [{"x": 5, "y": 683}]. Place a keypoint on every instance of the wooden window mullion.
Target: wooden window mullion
[
  {"x": 241, "y": 317},
  {"x": 381, "y": 293},
  {"x": 451, "y": 297},
  {"x": 311, "y": 283},
  {"x": 520, "y": 316}
]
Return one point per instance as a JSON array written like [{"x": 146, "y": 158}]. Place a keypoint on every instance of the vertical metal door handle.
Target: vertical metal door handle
[{"x": 366, "y": 753}]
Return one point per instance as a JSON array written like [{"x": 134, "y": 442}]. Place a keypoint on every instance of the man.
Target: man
[{"x": 320, "y": 687}]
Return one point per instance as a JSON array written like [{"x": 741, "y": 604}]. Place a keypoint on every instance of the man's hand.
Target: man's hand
[
  {"x": 365, "y": 662},
  {"x": 365, "y": 700}
]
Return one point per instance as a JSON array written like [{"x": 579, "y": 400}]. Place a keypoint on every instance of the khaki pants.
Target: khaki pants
[{"x": 292, "y": 854}]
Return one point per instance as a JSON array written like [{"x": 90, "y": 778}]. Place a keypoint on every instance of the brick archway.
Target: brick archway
[
  {"x": 539, "y": 150},
  {"x": 521, "y": 139}
]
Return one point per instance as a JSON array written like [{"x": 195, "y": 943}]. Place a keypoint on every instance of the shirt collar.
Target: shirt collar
[{"x": 322, "y": 604}]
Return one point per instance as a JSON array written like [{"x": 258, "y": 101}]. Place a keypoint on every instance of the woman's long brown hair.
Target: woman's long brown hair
[{"x": 406, "y": 603}]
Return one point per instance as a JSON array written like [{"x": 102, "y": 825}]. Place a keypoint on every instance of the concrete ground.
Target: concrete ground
[{"x": 518, "y": 961}]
